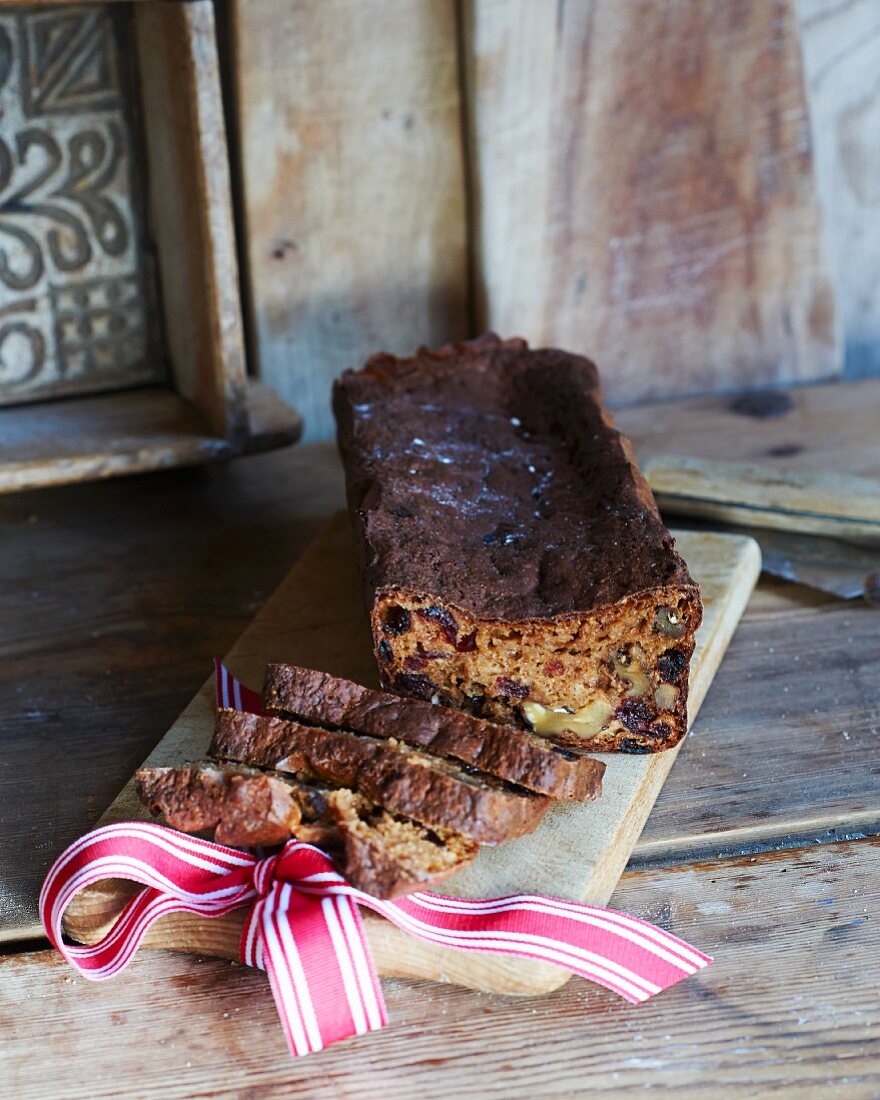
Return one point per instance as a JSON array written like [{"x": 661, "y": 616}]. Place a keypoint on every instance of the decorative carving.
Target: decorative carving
[
  {"x": 22, "y": 344},
  {"x": 70, "y": 62},
  {"x": 98, "y": 325},
  {"x": 72, "y": 305}
]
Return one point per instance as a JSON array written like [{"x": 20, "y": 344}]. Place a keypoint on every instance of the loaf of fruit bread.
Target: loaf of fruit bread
[
  {"x": 514, "y": 560},
  {"x": 384, "y": 855},
  {"x": 435, "y": 792},
  {"x": 516, "y": 756}
]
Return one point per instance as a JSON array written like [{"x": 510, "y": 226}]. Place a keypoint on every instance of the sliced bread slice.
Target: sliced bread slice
[
  {"x": 513, "y": 755},
  {"x": 433, "y": 791},
  {"x": 376, "y": 851}
]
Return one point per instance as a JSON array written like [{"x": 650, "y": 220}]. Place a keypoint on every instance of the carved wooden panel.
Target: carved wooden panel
[{"x": 74, "y": 293}]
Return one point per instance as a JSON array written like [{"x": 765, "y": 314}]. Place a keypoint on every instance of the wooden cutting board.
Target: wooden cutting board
[{"x": 579, "y": 851}]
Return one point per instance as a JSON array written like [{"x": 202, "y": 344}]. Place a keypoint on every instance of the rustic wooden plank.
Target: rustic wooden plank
[
  {"x": 785, "y": 745},
  {"x": 191, "y": 201},
  {"x": 841, "y": 51},
  {"x": 794, "y": 702},
  {"x": 643, "y": 190},
  {"x": 271, "y": 422},
  {"x": 825, "y": 429},
  {"x": 126, "y": 433},
  {"x": 316, "y": 618},
  {"x": 788, "y": 1008},
  {"x": 837, "y": 506},
  {"x": 352, "y": 184}
]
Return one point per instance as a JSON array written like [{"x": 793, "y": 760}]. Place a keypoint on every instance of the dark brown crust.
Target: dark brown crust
[
  {"x": 513, "y": 755},
  {"x": 241, "y": 810},
  {"x": 438, "y": 450},
  {"x": 367, "y": 864},
  {"x": 193, "y": 798},
  {"x": 403, "y": 781}
]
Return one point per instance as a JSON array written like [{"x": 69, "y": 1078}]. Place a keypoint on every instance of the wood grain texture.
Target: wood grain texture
[
  {"x": 841, "y": 57},
  {"x": 788, "y": 1008},
  {"x": 352, "y": 186},
  {"x": 786, "y": 746},
  {"x": 794, "y": 702},
  {"x": 115, "y": 598},
  {"x": 192, "y": 209},
  {"x": 578, "y": 851},
  {"x": 835, "y": 505},
  {"x": 819, "y": 429},
  {"x": 100, "y": 437},
  {"x": 643, "y": 190}
]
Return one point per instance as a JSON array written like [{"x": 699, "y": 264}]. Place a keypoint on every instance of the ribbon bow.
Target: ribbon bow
[{"x": 305, "y": 931}]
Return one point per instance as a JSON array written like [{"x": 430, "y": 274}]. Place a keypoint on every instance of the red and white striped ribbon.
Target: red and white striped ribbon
[
  {"x": 305, "y": 931},
  {"x": 232, "y": 693}
]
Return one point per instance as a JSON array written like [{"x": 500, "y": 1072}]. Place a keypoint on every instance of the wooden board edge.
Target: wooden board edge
[
  {"x": 108, "y": 435},
  {"x": 94, "y": 912},
  {"x": 807, "y": 829},
  {"x": 748, "y": 570},
  {"x": 774, "y": 519},
  {"x": 819, "y": 494},
  {"x": 272, "y": 423}
]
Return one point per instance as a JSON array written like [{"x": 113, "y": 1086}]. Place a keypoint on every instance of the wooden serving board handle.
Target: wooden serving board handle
[
  {"x": 92, "y": 914},
  {"x": 761, "y": 496}
]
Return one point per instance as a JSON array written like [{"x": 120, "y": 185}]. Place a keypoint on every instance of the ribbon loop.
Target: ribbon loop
[{"x": 304, "y": 928}]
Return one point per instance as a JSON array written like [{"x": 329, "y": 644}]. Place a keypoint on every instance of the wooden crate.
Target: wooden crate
[{"x": 207, "y": 408}]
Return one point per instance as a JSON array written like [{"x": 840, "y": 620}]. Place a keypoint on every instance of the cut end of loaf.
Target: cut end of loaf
[{"x": 613, "y": 680}]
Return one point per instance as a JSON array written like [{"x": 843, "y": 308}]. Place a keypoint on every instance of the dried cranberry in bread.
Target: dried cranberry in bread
[
  {"x": 515, "y": 562},
  {"x": 510, "y": 754},
  {"x": 403, "y": 781},
  {"x": 377, "y": 852}
]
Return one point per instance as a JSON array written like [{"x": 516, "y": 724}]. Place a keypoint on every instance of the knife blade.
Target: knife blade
[{"x": 794, "y": 516}]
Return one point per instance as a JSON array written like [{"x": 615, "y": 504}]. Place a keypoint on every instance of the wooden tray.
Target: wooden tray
[{"x": 579, "y": 851}]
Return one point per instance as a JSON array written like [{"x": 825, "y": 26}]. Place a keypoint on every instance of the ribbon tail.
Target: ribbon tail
[
  {"x": 631, "y": 957},
  {"x": 319, "y": 966}
]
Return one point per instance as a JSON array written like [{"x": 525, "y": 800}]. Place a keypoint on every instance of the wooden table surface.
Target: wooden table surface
[{"x": 761, "y": 849}]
